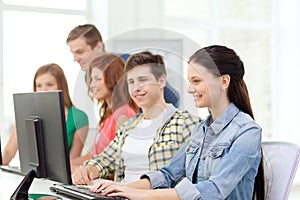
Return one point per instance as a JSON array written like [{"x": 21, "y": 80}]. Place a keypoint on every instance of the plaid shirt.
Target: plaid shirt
[{"x": 174, "y": 132}]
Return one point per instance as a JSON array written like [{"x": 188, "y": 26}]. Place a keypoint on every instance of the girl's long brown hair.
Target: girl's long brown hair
[
  {"x": 56, "y": 71},
  {"x": 221, "y": 60},
  {"x": 112, "y": 67}
]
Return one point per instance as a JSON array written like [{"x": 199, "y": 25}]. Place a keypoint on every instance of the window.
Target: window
[
  {"x": 243, "y": 26},
  {"x": 61, "y": 4},
  {"x": 35, "y": 35}
]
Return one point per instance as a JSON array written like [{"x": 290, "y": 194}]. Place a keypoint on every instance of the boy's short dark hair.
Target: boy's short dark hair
[
  {"x": 154, "y": 61},
  {"x": 88, "y": 31}
]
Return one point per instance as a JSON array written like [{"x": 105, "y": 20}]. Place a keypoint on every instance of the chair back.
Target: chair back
[{"x": 281, "y": 160}]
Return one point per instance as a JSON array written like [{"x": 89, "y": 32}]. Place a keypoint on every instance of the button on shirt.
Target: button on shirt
[{"x": 228, "y": 159}]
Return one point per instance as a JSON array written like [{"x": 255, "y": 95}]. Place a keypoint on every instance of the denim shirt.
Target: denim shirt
[{"x": 227, "y": 152}]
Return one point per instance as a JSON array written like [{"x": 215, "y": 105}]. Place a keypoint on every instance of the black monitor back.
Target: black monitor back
[{"x": 49, "y": 107}]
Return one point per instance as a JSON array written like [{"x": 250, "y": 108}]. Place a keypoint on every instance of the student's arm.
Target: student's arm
[
  {"x": 79, "y": 160},
  {"x": 78, "y": 142},
  {"x": 161, "y": 194},
  {"x": 140, "y": 184},
  {"x": 134, "y": 190},
  {"x": 140, "y": 194},
  {"x": 167, "y": 177},
  {"x": 104, "y": 184},
  {"x": 100, "y": 166},
  {"x": 85, "y": 174},
  {"x": 11, "y": 147},
  {"x": 81, "y": 130}
]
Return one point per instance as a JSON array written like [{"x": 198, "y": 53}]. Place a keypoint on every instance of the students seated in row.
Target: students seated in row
[
  {"x": 222, "y": 158},
  {"x": 149, "y": 139},
  {"x": 108, "y": 87},
  {"x": 86, "y": 44},
  {"x": 47, "y": 78}
]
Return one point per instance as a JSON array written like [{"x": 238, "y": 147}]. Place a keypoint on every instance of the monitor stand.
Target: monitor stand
[
  {"x": 36, "y": 158},
  {"x": 21, "y": 193}
]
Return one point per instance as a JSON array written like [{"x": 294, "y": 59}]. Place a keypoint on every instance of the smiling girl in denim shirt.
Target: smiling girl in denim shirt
[{"x": 223, "y": 156}]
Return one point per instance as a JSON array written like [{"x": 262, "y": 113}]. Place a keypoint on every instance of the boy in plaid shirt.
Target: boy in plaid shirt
[{"x": 148, "y": 140}]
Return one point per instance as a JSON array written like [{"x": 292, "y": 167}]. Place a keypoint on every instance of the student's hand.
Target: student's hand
[
  {"x": 85, "y": 174},
  {"x": 119, "y": 190},
  {"x": 102, "y": 185},
  {"x": 74, "y": 167}
]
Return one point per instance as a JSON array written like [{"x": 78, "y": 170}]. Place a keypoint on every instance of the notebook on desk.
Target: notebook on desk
[{"x": 80, "y": 192}]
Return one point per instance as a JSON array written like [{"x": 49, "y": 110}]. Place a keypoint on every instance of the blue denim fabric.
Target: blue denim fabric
[{"x": 228, "y": 152}]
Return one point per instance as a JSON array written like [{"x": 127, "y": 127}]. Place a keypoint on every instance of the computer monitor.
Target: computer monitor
[{"x": 41, "y": 133}]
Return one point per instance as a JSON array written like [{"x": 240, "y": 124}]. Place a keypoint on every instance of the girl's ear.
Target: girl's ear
[
  {"x": 225, "y": 81},
  {"x": 99, "y": 44}
]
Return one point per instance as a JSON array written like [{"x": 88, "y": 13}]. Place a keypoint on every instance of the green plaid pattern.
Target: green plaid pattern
[{"x": 170, "y": 137}]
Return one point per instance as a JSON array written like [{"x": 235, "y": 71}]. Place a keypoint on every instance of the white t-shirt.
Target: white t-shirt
[
  {"x": 83, "y": 101},
  {"x": 136, "y": 147}
]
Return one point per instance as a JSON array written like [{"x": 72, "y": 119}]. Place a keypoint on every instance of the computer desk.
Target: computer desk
[{"x": 10, "y": 181}]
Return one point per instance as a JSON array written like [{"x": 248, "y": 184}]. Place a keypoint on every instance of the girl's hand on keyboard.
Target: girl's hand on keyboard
[
  {"x": 121, "y": 190},
  {"x": 102, "y": 185}
]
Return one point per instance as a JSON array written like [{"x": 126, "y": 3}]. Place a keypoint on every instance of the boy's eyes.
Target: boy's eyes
[
  {"x": 140, "y": 80},
  {"x": 80, "y": 52}
]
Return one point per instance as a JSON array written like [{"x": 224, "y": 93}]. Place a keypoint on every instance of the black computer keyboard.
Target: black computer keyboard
[{"x": 86, "y": 191}]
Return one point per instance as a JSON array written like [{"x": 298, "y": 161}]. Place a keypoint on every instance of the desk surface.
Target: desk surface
[{"x": 10, "y": 181}]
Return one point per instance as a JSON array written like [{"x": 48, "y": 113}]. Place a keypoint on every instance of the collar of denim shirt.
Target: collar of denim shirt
[{"x": 223, "y": 120}]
